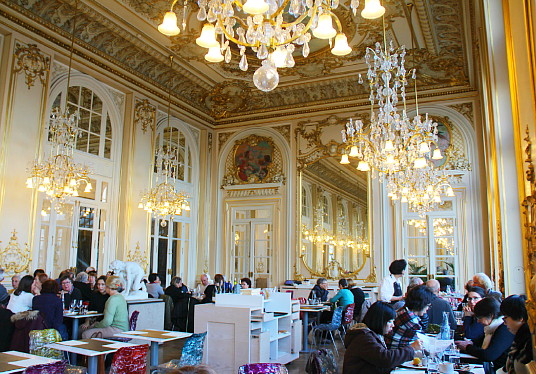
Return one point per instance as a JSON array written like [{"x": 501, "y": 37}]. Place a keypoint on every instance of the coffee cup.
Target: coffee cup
[{"x": 446, "y": 368}]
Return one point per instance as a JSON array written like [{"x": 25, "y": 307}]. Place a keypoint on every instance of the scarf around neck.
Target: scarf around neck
[{"x": 490, "y": 330}]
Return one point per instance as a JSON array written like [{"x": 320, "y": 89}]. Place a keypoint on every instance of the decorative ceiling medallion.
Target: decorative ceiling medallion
[
  {"x": 145, "y": 115},
  {"x": 32, "y": 62}
]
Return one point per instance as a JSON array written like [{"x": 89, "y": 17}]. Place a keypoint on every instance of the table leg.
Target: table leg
[
  {"x": 305, "y": 336},
  {"x": 92, "y": 364},
  {"x": 74, "y": 336},
  {"x": 154, "y": 354}
]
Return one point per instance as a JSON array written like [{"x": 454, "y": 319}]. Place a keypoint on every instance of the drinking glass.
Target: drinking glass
[
  {"x": 433, "y": 365},
  {"x": 455, "y": 357},
  {"x": 73, "y": 306}
]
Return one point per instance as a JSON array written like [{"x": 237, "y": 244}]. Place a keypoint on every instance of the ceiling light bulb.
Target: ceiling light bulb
[
  {"x": 363, "y": 166},
  {"x": 404, "y": 199},
  {"x": 89, "y": 187},
  {"x": 354, "y": 151},
  {"x": 373, "y": 9},
  {"x": 437, "y": 154},
  {"x": 344, "y": 159},
  {"x": 278, "y": 57},
  {"x": 46, "y": 180},
  {"x": 169, "y": 25},
  {"x": 29, "y": 183},
  {"x": 389, "y": 147},
  {"x": 341, "y": 47},
  {"x": 424, "y": 148},
  {"x": 390, "y": 160},
  {"x": 207, "y": 38},
  {"x": 437, "y": 199},
  {"x": 214, "y": 54},
  {"x": 325, "y": 29},
  {"x": 140, "y": 205},
  {"x": 450, "y": 192},
  {"x": 419, "y": 163},
  {"x": 255, "y": 7}
]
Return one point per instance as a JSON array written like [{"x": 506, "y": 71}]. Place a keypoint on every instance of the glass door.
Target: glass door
[
  {"x": 252, "y": 252},
  {"x": 430, "y": 245}
]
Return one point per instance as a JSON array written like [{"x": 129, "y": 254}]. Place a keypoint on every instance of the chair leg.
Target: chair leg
[{"x": 334, "y": 345}]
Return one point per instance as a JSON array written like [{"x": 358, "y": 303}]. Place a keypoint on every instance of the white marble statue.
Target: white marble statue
[{"x": 133, "y": 275}]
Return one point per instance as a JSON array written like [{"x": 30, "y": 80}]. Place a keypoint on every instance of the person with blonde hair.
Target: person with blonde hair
[
  {"x": 483, "y": 281},
  {"x": 115, "y": 318}
]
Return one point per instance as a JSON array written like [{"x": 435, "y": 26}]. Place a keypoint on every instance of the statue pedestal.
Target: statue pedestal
[
  {"x": 151, "y": 313},
  {"x": 136, "y": 295}
]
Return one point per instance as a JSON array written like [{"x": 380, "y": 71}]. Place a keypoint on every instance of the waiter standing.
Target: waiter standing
[{"x": 390, "y": 288}]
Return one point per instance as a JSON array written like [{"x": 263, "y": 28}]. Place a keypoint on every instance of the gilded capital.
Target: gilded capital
[{"x": 145, "y": 115}]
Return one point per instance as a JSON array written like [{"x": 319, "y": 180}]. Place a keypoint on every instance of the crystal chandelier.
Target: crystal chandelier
[
  {"x": 272, "y": 29},
  {"x": 397, "y": 149},
  {"x": 59, "y": 176},
  {"x": 163, "y": 200}
]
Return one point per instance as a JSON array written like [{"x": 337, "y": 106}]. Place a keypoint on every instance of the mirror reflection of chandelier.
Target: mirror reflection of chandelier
[
  {"x": 272, "y": 29},
  {"x": 59, "y": 176},
  {"x": 397, "y": 149},
  {"x": 163, "y": 200}
]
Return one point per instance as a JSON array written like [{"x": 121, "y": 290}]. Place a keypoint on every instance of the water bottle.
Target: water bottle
[
  {"x": 236, "y": 287},
  {"x": 444, "y": 333}
]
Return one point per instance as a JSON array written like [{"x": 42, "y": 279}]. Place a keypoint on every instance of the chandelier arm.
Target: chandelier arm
[
  {"x": 173, "y": 4},
  {"x": 337, "y": 21}
]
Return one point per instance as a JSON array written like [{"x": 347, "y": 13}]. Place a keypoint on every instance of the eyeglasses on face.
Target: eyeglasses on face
[{"x": 473, "y": 298}]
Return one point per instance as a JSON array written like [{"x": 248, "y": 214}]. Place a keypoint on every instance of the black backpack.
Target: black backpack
[{"x": 321, "y": 361}]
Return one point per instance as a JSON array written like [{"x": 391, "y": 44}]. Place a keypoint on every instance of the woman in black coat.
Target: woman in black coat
[
  {"x": 51, "y": 307},
  {"x": 177, "y": 290},
  {"x": 366, "y": 351}
]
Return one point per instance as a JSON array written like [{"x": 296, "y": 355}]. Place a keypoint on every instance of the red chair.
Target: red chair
[
  {"x": 54, "y": 368},
  {"x": 348, "y": 317},
  {"x": 132, "y": 322},
  {"x": 130, "y": 360}
]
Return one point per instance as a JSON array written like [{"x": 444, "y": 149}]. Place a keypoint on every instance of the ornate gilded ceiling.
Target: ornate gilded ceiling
[{"x": 123, "y": 32}]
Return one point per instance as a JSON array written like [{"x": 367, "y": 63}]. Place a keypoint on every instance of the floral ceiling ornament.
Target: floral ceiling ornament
[
  {"x": 145, "y": 115},
  {"x": 13, "y": 258},
  {"x": 30, "y": 60}
]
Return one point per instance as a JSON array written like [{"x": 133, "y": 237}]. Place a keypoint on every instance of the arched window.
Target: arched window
[
  {"x": 171, "y": 244},
  {"x": 94, "y": 121}
]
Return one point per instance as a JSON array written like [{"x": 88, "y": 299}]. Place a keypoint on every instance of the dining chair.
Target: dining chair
[
  {"x": 53, "y": 368},
  {"x": 192, "y": 354},
  {"x": 130, "y": 360},
  {"x": 348, "y": 317},
  {"x": 328, "y": 328},
  {"x": 263, "y": 368},
  {"x": 39, "y": 340},
  {"x": 132, "y": 322}
]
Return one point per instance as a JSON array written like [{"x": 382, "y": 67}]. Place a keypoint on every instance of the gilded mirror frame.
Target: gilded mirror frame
[{"x": 312, "y": 136}]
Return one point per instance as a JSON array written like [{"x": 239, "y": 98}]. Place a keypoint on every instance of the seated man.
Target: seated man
[
  {"x": 205, "y": 281},
  {"x": 154, "y": 288},
  {"x": 69, "y": 293},
  {"x": 439, "y": 306},
  {"x": 320, "y": 290}
]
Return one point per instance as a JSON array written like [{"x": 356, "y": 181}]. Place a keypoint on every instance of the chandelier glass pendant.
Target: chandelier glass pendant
[
  {"x": 397, "y": 149},
  {"x": 164, "y": 201},
  {"x": 272, "y": 29},
  {"x": 59, "y": 176}
]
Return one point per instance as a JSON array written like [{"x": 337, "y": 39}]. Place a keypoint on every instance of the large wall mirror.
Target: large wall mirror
[{"x": 334, "y": 209}]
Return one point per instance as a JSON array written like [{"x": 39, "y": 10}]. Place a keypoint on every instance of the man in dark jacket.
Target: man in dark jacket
[
  {"x": 439, "y": 306},
  {"x": 320, "y": 290}
]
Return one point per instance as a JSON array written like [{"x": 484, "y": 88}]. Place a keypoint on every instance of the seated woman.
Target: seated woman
[
  {"x": 320, "y": 290},
  {"x": 515, "y": 318},
  {"x": 115, "y": 318},
  {"x": 154, "y": 288},
  {"x": 407, "y": 322},
  {"x": 219, "y": 286},
  {"x": 366, "y": 351},
  {"x": 21, "y": 299},
  {"x": 51, "y": 307},
  {"x": 177, "y": 290},
  {"x": 39, "y": 279},
  {"x": 471, "y": 328},
  {"x": 245, "y": 283},
  {"x": 344, "y": 297},
  {"x": 493, "y": 346},
  {"x": 98, "y": 298}
]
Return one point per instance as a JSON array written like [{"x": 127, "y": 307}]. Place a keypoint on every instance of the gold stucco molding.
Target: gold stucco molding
[
  {"x": 138, "y": 256},
  {"x": 145, "y": 115},
  {"x": 13, "y": 258},
  {"x": 34, "y": 64}
]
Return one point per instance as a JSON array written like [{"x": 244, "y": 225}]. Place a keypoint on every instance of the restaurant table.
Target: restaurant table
[
  {"x": 155, "y": 337},
  {"x": 13, "y": 361},
  {"x": 306, "y": 309},
  {"x": 92, "y": 348},
  {"x": 76, "y": 317},
  {"x": 475, "y": 369}
]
